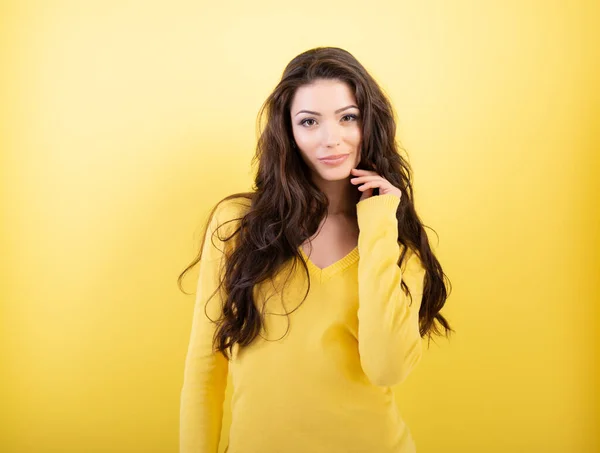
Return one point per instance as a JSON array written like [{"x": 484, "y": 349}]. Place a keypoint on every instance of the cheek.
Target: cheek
[
  {"x": 355, "y": 135},
  {"x": 304, "y": 139}
]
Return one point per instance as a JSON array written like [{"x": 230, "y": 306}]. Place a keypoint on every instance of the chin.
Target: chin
[
  {"x": 339, "y": 177},
  {"x": 335, "y": 173}
]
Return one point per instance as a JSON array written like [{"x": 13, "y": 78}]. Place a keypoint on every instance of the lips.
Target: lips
[{"x": 333, "y": 157}]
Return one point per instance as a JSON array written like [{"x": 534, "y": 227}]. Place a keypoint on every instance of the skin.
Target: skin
[
  {"x": 330, "y": 133},
  {"x": 327, "y": 131}
]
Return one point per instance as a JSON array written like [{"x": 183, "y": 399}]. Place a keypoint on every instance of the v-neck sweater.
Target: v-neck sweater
[{"x": 319, "y": 376}]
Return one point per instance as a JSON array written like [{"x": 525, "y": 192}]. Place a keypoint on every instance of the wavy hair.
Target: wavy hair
[{"x": 286, "y": 207}]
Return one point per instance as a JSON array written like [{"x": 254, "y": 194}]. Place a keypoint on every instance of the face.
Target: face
[{"x": 326, "y": 122}]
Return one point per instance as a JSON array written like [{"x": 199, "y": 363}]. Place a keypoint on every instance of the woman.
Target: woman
[{"x": 316, "y": 288}]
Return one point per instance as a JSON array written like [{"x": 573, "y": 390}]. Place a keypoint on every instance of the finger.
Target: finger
[
  {"x": 368, "y": 185},
  {"x": 360, "y": 179}
]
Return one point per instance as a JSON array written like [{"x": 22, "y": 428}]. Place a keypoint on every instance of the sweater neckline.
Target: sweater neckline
[{"x": 323, "y": 274}]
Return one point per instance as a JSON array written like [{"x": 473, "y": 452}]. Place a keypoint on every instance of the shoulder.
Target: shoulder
[
  {"x": 223, "y": 222},
  {"x": 233, "y": 206},
  {"x": 228, "y": 212}
]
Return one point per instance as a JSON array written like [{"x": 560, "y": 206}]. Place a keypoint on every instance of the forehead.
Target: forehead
[{"x": 323, "y": 96}]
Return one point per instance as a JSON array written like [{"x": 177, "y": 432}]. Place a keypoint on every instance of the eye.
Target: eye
[
  {"x": 350, "y": 115},
  {"x": 302, "y": 123}
]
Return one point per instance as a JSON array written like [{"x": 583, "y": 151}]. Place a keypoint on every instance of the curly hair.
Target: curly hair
[{"x": 285, "y": 207}]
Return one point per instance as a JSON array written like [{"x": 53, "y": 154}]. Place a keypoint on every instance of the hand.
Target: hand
[{"x": 371, "y": 180}]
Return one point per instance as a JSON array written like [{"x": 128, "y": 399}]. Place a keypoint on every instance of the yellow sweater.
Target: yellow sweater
[{"x": 318, "y": 381}]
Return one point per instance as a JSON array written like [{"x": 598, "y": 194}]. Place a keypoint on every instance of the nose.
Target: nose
[{"x": 332, "y": 136}]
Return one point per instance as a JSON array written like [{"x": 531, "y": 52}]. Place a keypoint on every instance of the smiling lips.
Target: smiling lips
[{"x": 334, "y": 159}]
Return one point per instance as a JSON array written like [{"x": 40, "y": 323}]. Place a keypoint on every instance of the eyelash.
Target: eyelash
[{"x": 312, "y": 119}]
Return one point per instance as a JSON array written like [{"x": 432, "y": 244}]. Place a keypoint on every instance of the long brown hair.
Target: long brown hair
[{"x": 286, "y": 207}]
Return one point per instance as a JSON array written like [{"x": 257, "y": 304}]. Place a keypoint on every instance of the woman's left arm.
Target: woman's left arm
[{"x": 389, "y": 341}]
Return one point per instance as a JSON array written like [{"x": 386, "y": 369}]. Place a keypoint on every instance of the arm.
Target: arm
[
  {"x": 205, "y": 374},
  {"x": 389, "y": 341}
]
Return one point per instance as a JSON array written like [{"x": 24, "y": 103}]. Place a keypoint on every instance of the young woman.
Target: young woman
[{"x": 316, "y": 288}]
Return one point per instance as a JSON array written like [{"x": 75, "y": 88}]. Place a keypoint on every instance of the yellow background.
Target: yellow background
[{"x": 122, "y": 122}]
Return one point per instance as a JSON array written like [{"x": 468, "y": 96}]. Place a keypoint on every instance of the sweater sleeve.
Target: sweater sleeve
[
  {"x": 205, "y": 373},
  {"x": 389, "y": 341}
]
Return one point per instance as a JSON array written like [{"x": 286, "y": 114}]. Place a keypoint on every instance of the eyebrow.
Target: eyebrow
[{"x": 318, "y": 114}]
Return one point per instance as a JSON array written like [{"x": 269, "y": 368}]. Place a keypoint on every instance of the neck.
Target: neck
[{"x": 342, "y": 195}]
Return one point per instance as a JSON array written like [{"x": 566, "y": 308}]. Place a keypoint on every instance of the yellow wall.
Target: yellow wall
[{"x": 124, "y": 121}]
